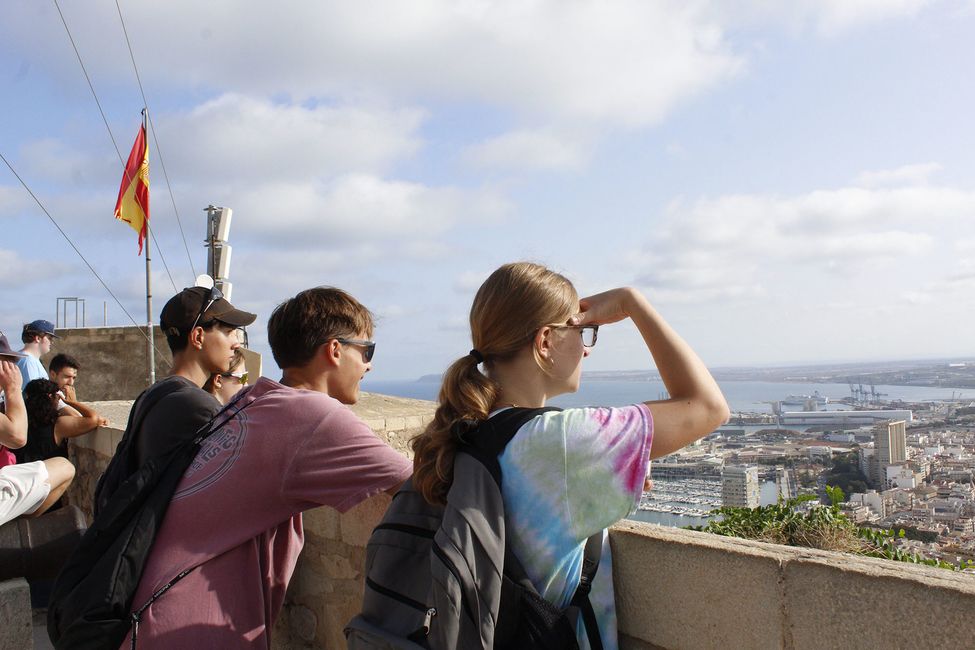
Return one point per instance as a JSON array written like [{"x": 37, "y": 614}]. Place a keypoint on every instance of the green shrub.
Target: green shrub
[{"x": 822, "y": 527}]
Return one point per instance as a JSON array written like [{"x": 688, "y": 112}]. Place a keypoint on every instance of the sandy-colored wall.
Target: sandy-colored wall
[
  {"x": 114, "y": 360},
  {"x": 685, "y": 589}
]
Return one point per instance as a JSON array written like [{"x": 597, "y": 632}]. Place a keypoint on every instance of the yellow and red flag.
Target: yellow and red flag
[{"x": 133, "y": 197}]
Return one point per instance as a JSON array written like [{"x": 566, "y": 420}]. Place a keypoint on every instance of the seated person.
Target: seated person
[
  {"x": 47, "y": 431},
  {"x": 224, "y": 385},
  {"x": 63, "y": 371},
  {"x": 30, "y": 489}
]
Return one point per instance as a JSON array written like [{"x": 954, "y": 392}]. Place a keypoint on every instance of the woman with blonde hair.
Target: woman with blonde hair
[{"x": 567, "y": 474}]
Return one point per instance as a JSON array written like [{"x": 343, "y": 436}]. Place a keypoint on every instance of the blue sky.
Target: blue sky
[{"x": 787, "y": 182}]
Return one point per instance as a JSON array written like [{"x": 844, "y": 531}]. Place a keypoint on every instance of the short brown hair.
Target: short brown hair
[{"x": 299, "y": 325}]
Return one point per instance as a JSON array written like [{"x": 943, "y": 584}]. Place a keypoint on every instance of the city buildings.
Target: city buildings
[{"x": 740, "y": 487}]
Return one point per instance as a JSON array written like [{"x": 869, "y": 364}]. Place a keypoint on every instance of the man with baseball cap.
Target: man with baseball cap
[
  {"x": 37, "y": 337},
  {"x": 201, "y": 329}
]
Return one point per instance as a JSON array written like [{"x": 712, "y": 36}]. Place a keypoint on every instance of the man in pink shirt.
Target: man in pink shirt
[{"x": 233, "y": 529}]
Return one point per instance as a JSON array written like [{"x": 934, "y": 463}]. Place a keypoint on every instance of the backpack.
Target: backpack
[
  {"x": 442, "y": 577},
  {"x": 91, "y": 600}
]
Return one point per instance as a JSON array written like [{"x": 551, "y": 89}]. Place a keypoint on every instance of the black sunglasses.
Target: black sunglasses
[
  {"x": 368, "y": 347},
  {"x": 214, "y": 295}
]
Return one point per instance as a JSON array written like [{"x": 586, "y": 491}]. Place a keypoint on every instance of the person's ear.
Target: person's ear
[
  {"x": 196, "y": 338},
  {"x": 217, "y": 381},
  {"x": 331, "y": 352},
  {"x": 543, "y": 342}
]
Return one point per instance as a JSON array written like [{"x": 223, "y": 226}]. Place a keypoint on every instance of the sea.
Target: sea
[{"x": 742, "y": 396}]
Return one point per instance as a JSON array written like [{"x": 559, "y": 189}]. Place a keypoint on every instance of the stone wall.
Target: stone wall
[{"x": 114, "y": 360}]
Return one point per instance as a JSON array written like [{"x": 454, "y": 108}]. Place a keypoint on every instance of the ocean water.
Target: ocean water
[{"x": 743, "y": 396}]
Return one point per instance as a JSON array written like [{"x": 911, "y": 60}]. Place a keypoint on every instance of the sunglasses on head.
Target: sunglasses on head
[
  {"x": 213, "y": 296},
  {"x": 368, "y": 347}
]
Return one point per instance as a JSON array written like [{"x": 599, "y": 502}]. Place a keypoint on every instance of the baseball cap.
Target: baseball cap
[
  {"x": 5, "y": 350},
  {"x": 42, "y": 326},
  {"x": 182, "y": 311}
]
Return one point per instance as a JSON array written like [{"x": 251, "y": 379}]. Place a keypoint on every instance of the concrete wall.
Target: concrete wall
[
  {"x": 114, "y": 360},
  {"x": 675, "y": 588}
]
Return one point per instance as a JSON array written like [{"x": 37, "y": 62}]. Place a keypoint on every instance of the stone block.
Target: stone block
[
  {"x": 682, "y": 589},
  {"x": 835, "y": 600},
  {"x": 16, "y": 631},
  {"x": 322, "y": 522},
  {"x": 357, "y": 523}
]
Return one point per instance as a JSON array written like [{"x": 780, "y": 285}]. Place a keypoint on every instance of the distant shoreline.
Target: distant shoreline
[{"x": 946, "y": 373}]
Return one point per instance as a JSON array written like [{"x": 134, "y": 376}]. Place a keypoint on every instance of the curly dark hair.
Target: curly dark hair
[{"x": 41, "y": 409}]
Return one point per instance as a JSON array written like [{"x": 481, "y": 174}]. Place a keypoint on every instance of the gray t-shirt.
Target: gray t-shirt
[{"x": 174, "y": 418}]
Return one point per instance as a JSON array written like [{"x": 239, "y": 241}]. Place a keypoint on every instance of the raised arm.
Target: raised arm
[
  {"x": 13, "y": 423},
  {"x": 696, "y": 406},
  {"x": 69, "y": 426}
]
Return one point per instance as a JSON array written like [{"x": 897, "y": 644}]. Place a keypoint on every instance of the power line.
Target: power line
[
  {"x": 71, "y": 243},
  {"x": 112, "y": 136},
  {"x": 152, "y": 127}
]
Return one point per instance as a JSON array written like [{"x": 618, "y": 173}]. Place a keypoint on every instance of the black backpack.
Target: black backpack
[
  {"x": 91, "y": 601},
  {"x": 442, "y": 577}
]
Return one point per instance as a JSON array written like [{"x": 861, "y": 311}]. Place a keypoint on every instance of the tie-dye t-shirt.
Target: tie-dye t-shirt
[{"x": 565, "y": 476}]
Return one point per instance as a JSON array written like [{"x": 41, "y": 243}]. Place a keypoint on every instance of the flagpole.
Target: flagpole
[{"x": 149, "y": 339}]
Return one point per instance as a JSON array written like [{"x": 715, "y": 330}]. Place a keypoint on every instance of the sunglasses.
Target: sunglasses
[
  {"x": 368, "y": 347},
  {"x": 239, "y": 376},
  {"x": 214, "y": 295}
]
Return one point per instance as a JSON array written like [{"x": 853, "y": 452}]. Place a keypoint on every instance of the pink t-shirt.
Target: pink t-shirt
[{"x": 236, "y": 518}]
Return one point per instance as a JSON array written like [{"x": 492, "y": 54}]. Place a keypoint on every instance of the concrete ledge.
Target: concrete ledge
[
  {"x": 16, "y": 631},
  {"x": 684, "y": 589}
]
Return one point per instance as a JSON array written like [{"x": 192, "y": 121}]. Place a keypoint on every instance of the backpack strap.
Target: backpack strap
[
  {"x": 122, "y": 464},
  {"x": 590, "y": 565},
  {"x": 487, "y": 440}
]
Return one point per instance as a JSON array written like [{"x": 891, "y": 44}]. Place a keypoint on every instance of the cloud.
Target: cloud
[
  {"x": 17, "y": 271},
  {"x": 529, "y": 150},
  {"x": 252, "y": 139},
  {"x": 626, "y": 62},
  {"x": 906, "y": 175},
  {"x": 749, "y": 247},
  {"x": 470, "y": 281},
  {"x": 825, "y": 17},
  {"x": 361, "y": 208}
]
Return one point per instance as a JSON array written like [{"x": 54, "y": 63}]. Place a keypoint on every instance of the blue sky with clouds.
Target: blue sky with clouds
[{"x": 787, "y": 182}]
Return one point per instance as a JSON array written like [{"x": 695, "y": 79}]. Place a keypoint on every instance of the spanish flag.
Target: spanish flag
[{"x": 133, "y": 196}]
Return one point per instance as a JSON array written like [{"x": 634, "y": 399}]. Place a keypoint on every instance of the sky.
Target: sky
[{"x": 786, "y": 182}]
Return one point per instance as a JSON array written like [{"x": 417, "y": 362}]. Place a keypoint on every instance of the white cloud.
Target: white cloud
[
  {"x": 529, "y": 150},
  {"x": 21, "y": 272},
  {"x": 470, "y": 281},
  {"x": 906, "y": 175},
  {"x": 247, "y": 139},
  {"x": 359, "y": 208},
  {"x": 622, "y": 61},
  {"x": 825, "y": 17},
  {"x": 755, "y": 246}
]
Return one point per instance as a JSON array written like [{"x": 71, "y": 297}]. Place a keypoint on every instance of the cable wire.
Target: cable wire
[
  {"x": 152, "y": 128},
  {"x": 83, "y": 259},
  {"x": 114, "y": 143}
]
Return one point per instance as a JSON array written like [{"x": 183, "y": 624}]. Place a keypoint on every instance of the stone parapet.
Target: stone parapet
[
  {"x": 16, "y": 632},
  {"x": 685, "y": 589}
]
